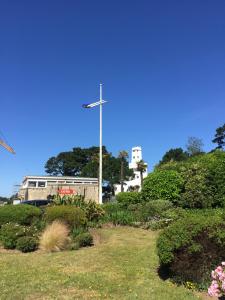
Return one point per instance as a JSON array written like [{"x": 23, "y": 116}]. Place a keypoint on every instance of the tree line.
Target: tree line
[{"x": 194, "y": 147}]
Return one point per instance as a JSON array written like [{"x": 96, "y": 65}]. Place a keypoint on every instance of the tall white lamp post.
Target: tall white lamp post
[{"x": 100, "y": 103}]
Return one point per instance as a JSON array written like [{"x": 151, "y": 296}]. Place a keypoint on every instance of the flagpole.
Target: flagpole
[
  {"x": 100, "y": 149},
  {"x": 100, "y": 103}
]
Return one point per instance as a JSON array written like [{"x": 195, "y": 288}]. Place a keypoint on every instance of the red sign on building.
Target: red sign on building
[{"x": 66, "y": 191}]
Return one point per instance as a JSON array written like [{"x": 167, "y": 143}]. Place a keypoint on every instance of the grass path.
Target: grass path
[{"x": 123, "y": 266}]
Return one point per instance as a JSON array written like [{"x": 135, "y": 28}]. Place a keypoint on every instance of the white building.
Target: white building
[
  {"x": 41, "y": 187},
  {"x": 136, "y": 156}
]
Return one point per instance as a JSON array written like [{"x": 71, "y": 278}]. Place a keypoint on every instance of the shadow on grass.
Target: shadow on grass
[{"x": 163, "y": 272}]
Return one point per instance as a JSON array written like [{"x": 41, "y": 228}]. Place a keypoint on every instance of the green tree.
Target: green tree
[
  {"x": 84, "y": 162},
  {"x": 71, "y": 163},
  {"x": 141, "y": 167},
  {"x": 123, "y": 156},
  {"x": 220, "y": 137},
  {"x": 194, "y": 146},
  {"x": 176, "y": 154}
]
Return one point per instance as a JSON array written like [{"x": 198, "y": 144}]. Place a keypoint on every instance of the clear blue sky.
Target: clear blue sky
[{"x": 162, "y": 63}]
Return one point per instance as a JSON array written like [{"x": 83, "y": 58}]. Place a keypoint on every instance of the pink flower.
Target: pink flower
[
  {"x": 217, "y": 287},
  {"x": 213, "y": 274},
  {"x": 219, "y": 269}
]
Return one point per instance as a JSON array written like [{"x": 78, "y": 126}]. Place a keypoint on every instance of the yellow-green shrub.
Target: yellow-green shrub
[
  {"x": 55, "y": 237},
  {"x": 69, "y": 214}
]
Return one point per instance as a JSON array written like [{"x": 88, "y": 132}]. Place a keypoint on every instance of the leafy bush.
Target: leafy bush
[
  {"x": 77, "y": 231},
  {"x": 164, "y": 185},
  {"x": 118, "y": 215},
  {"x": 71, "y": 215},
  {"x": 84, "y": 239},
  {"x": 26, "y": 244},
  {"x": 197, "y": 190},
  {"x": 159, "y": 224},
  {"x": 10, "y": 233},
  {"x": 127, "y": 198},
  {"x": 20, "y": 214},
  {"x": 55, "y": 237},
  {"x": 111, "y": 207},
  {"x": 147, "y": 210},
  {"x": 191, "y": 247},
  {"x": 204, "y": 180},
  {"x": 93, "y": 211},
  {"x": 76, "y": 200}
]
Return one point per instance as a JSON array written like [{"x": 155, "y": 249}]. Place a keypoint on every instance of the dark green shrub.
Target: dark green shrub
[
  {"x": 20, "y": 214},
  {"x": 159, "y": 224},
  {"x": 127, "y": 198},
  {"x": 215, "y": 165},
  {"x": 10, "y": 233},
  {"x": 26, "y": 244},
  {"x": 191, "y": 247},
  {"x": 117, "y": 215},
  {"x": 164, "y": 185},
  {"x": 174, "y": 214},
  {"x": 147, "y": 210},
  {"x": 204, "y": 180},
  {"x": 197, "y": 190},
  {"x": 122, "y": 217},
  {"x": 84, "y": 239},
  {"x": 112, "y": 207},
  {"x": 77, "y": 231},
  {"x": 71, "y": 215},
  {"x": 93, "y": 211}
]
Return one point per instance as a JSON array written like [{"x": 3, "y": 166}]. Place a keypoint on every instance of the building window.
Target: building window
[
  {"x": 41, "y": 184},
  {"x": 51, "y": 182},
  {"x": 32, "y": 183}
]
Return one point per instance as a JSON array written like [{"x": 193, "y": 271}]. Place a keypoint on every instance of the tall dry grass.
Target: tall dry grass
[{"x": 55, "y": 237}]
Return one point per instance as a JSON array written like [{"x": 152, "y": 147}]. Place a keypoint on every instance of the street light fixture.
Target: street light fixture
[{"x": 99, "y": 103}]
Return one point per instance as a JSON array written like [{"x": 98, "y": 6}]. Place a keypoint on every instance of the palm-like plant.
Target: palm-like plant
[
  {"x": 141, "y": 167},
  {"x": 123, "y": 155}
]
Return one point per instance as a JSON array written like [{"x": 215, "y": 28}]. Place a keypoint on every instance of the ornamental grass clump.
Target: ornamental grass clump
[
  {"x": 55, "y": 237},
  {"x": 217, "y": 287}
]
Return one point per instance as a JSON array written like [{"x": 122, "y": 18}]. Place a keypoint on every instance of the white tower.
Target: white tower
[{"x": 136, "y": 156}]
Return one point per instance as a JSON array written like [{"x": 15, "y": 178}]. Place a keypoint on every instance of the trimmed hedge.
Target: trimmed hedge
[
  {"x": 164, "y": 185},
  {"x": 71, "y": 215},
  {"x": 26, "y": 244},
  {"x": 127, "y": 198},
  {"x": 21, "y": 214},
  {"x": 190, "y": 248},
  {"x": 147, "y": 210}
]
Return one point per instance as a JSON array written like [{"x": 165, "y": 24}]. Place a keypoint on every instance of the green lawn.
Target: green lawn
[{"x": 122, "y": 266}]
